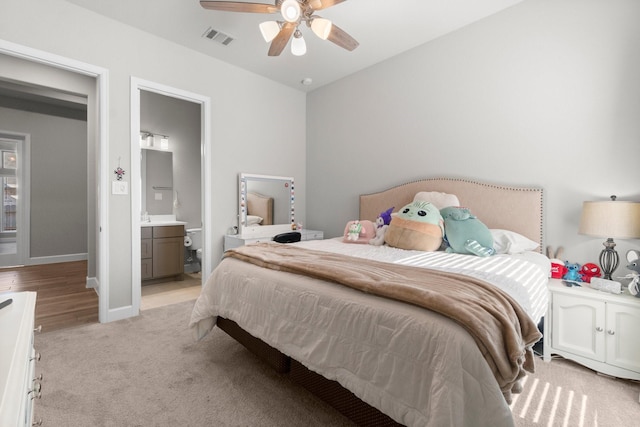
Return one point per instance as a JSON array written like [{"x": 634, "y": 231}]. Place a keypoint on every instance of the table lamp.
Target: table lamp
[{"x": 610, "y": 219}]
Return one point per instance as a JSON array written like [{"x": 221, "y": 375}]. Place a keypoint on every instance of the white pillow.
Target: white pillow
[
  {"x": 439, "y": 200},
  {"x": 510, "y": 242},
  {"x": 254, "y": 220}
]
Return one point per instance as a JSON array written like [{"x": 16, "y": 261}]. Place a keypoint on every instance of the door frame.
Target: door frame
[
  {"x": 138, "y": 84},
  {"x": 101, "y": 76},
  {"x": 23, "y": 227}
]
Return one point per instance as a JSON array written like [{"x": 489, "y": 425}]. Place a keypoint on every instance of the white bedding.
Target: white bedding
[
  {"x": 415, "y": 365},
  {"x": 524, "y": 276}
]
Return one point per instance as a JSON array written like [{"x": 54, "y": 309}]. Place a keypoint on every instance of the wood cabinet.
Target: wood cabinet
[
  {"x": 18, "y": 385},
  {"x": 162, "y": 252},
  {"x": 595, "y": 329}
]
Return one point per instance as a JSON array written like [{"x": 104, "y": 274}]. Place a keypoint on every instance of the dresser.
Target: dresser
[
  {"x": 235, "y": 240},
  {"x": 18, "y": 385},
  {"x": 596, "y": 329}
]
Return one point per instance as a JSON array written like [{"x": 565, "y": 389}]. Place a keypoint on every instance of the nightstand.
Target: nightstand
[
  {"x": 596, "y": 329},
  {"x": 235, "y": 240}
]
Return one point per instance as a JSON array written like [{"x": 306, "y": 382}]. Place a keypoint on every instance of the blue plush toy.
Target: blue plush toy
[
  {"x": 573, "y": 272},
  {"x": 465, "y": 233}
]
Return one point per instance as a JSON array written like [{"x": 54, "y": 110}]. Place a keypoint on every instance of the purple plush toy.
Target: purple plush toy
[{"x": 382, "y": 223}]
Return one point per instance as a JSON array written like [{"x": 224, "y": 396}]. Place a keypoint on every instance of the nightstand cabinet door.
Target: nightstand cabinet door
[
  {"x": 579, "y": 326},
  {"x": 623, "y": 339}
]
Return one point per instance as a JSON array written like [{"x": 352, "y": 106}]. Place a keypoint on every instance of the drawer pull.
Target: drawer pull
[
  {"x": 37, "y": 395},
  {"x": 599, "y": 329},
  {"x": 38, "y": 378},
  {"x": 611, "y": 332},
  {"x": 38, "y": 329},
  {"x": 37, "y": 423},
  {"x": 37, "y": 387},
  {"x": 36, "y": 357}
]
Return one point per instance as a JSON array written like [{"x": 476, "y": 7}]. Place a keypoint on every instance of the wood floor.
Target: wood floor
[{"x": 64, "y": 301}]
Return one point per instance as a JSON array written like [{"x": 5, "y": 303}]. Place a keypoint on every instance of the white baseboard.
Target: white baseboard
[
  {"x": 120, "y": 313},
  {"x": 57, "y": 258},
  {"x": 92, "y": 283}
]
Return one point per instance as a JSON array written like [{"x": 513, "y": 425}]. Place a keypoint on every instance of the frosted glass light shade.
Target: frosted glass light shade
[
  {"x": 298, "y": 46},
  {"x": 321, "y": 27},
  {"x": 290, "y": 10},
  {"x": 269, "y": 30}
]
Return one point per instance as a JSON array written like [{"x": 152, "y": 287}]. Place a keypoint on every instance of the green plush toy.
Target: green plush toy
[
  {"x": 417, "y": 226},
  {"x": 465, "y": 233}
]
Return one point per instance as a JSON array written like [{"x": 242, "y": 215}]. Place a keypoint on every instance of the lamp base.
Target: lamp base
[{"x": 609, "y": 259}]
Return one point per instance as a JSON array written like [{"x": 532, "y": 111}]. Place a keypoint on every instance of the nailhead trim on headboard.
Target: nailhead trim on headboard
[{"x": 486, "y": 200}]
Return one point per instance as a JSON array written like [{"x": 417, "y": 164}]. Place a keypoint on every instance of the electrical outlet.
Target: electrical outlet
[{"x": 119, "y": 187}]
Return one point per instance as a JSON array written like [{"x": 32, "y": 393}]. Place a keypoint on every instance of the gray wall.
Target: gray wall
[
  {"x": 58, "y": 220},
  {"x": 245, "y": 137},
  {"x": 545, "y": 93}
]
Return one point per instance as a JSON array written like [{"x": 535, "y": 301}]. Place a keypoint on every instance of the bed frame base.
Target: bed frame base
[{"x": 327, "y": 390}]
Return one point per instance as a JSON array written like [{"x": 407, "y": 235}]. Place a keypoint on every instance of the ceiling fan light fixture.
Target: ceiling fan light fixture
[
  {"x": 269, "y": 30},
  {"x": 290, "y": 10},
  {"x": 321, "y": 27},
  {"x": 298, "y": 45}
]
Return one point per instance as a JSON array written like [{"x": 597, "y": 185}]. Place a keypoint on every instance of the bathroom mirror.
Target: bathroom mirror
[
  {"x": 265, "y": 204},
  {"x": 157, "y": 182}
]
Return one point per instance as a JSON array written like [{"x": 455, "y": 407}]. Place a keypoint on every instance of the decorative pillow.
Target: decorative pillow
[
  {"x": 440, "y": 200},
  {"x": 254, "y": 220},
  {"x": 510, "y": 242},
  {"x": 418, "y": 226},
  {"x": 359, "y": 231},
  {"x": 465, "y": 233}
]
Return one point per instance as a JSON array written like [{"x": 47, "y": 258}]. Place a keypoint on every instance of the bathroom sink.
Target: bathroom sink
[{"x": 160, "y": 220}]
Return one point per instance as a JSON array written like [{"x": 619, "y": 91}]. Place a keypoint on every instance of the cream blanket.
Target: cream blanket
[{"x": 503, "y": 332}]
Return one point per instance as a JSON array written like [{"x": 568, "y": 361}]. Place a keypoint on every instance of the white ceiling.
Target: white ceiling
[{"x": 384, "y": 28}]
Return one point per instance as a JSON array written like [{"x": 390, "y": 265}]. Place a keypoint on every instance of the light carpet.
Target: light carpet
[{"x": 148, "y": 371}]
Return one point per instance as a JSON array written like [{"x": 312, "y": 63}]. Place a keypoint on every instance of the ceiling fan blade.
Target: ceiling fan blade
[
  {"x": 236, "y": 6},
  {"x": 342, "y": 39},
  {"x": 281, "y": 40},
  {"x": 323, "y": 4}
]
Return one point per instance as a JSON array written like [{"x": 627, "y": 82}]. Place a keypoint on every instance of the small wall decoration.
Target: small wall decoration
[{"x": 119, "y": 171}]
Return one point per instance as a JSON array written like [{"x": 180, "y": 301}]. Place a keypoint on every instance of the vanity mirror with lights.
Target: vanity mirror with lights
[{"x": 266, "y": 207}]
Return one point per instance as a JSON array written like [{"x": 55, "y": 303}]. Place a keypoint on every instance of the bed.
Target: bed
[{"x": 376, "y": 358}]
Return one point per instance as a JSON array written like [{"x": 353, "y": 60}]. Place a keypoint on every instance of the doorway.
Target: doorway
[
  {"x": 182, "y": 207},
  {"x": 14, "y": 149},
  {"x": 35, "y": 64}
]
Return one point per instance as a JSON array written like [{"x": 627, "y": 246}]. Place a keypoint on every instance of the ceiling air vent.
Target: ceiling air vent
[{"x": 218, "y": 36}]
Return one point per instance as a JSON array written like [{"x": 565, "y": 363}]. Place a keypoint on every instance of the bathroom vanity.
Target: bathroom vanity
[{"x": 162, "y": 250}]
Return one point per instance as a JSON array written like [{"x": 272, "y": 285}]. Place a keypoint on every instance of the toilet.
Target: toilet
[{"x": 193, "y": 242}]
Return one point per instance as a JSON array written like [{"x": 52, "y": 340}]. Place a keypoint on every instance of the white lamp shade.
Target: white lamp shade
[
  {"x": 290, "y": 10},
  {"x": 610, "y": 219},
  {"x": 298, "y": 46},
  {"x": 321, "y": 27},
  {"x": 269, "y": 30}
]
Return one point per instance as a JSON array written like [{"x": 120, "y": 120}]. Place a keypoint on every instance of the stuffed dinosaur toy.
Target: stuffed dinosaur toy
[
  {"x": 382, "y": 223},
  {"x": 464, "y": 233},
  {"x": 418, "y": 226}
]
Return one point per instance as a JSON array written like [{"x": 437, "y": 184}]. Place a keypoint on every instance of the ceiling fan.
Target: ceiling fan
[{"x": 294, "y": 13}]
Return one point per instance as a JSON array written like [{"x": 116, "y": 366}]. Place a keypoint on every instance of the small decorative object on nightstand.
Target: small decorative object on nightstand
[
  {"x": 610, "y": 219},
  {"x": 233, "y": 241}
]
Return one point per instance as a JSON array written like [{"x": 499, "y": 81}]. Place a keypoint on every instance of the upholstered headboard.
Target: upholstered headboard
[
  {"x": 260, "y": 205},
  {"x": 518, "y": 209}
]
